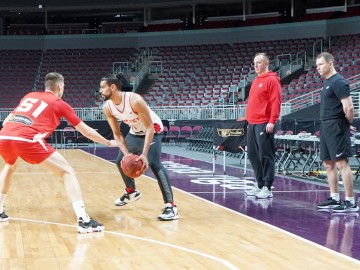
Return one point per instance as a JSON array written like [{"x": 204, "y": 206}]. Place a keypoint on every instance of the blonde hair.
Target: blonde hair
[{"x": 264, "y": 55}]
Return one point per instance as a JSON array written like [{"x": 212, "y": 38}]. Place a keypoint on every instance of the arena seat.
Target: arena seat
[
  {"x": 13, "y": 63},
  {"x": 82, "y": 69},
  {"x": 185, "y": 133}
]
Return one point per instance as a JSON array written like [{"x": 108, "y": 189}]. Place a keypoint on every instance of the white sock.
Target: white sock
[
  {"x": 350, "y": 199},
  {"x": 79, "y": 209},
  {"x": 335, "y": 196},
  {"x": 2, "y": 200}
]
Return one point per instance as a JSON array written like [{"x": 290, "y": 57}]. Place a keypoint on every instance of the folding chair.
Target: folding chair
[
  {"x": 185, "y": 133},
  {"x": 69, "y": 137},
  {"x": 165, "y": 132},
  {"x": 193, "y": 138},
  {"x": 173, "y": 134}
]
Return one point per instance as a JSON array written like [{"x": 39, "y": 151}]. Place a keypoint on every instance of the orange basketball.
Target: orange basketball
[{"x": 131, "y": 167}]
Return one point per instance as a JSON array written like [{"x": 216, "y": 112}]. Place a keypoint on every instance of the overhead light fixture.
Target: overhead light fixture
[{"x": 40, "y": 6}]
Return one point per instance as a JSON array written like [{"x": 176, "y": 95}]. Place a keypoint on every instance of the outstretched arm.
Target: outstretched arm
[{"x": 93, "y": 135}]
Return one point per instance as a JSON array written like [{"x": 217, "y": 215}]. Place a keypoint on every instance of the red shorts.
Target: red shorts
[{"x": 31, "y": 152}]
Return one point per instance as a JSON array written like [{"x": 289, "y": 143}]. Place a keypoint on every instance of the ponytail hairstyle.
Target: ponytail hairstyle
[{"x": 114, "y": 79}]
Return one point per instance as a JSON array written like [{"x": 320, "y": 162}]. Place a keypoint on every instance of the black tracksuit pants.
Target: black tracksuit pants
[{"x": 261, "y": 153}]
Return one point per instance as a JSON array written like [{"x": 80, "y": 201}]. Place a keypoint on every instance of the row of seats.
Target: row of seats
[
  {"x": 207, "y": 74},
  {"x": 176, "y": 134},
  {"x": 209, "y": 79},
  {"x": 346, "y": 51},
  {"x": 82, "y": 69}
]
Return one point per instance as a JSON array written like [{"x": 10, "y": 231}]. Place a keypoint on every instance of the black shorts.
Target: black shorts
[{"x": 335, "y": 141}]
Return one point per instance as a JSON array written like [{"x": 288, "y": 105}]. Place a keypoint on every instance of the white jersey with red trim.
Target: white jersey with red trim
[{"x": 125, "y": 113}]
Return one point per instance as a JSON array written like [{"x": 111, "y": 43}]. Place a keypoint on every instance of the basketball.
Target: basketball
[{"x": 131, "y": 167}]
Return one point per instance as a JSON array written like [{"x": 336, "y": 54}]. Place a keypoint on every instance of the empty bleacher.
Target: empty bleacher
[
  {"x": 207, "y": 74},
  {"x": 192, "y": 75},
  {"x": 346, "y": 51},
  {"x": 23, "y": 71},
  {"x": 18, "y": 70}
]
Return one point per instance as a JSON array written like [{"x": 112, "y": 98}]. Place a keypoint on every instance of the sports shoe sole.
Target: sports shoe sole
[
  {"x": 327, "y": 207},
  {"x": 168, "y": 219},
  {"x": 250, "y": 194},
  {"x": 125, "y": 203},
  {"x": 260, "y": 198},
  {"x": 4, "y": 217},
  {"x": 90, "y": 230},
  {"x": 347, "y": 210}
]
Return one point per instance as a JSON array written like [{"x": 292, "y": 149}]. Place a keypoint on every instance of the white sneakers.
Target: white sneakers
[
  {"x": 263, "y": 193},
  {"x": 126, "y": 198},
  {"x": 170, "y": 212},
  {"x": 255, "y": 190}
]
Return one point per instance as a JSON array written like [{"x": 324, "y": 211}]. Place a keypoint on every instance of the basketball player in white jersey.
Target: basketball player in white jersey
[{"x": 144, "y": 138}]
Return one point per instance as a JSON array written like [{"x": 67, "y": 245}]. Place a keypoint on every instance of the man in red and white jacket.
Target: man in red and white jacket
[{"x": 263, "y": 110}]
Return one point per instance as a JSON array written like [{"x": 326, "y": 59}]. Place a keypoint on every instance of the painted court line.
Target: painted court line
[
  {"x": 227, "y": 264},
  {"x": 268, "y": 225},
  {"x": 264, "y": 223}
]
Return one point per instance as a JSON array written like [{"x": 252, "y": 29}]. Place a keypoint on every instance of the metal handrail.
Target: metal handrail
[
  {"x": 282, "y": 55},
  {"x": 302, "y": 55},
  {"x": 119, "y": 67},
  {"x": 312, "y": 98},
  {"x": 316, "y": 42},
  {"x": 289, "y": 67},
  {"x": 156, "y": 62}
]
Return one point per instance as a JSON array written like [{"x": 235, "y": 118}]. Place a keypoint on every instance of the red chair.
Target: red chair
[
  {"x": 69, "y": 137},
  {"x": 185, "y": 132},
  {"x": 165, "y": 132},
  {"x": 196, "y": 130},
  {"x": 173, "y": 134}
]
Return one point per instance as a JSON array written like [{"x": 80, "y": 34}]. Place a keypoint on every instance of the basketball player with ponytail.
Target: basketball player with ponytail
[{"x": 144, "y": 138}]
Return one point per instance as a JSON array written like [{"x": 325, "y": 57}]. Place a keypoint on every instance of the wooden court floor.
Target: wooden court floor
[{"x": 41, "y": 232}]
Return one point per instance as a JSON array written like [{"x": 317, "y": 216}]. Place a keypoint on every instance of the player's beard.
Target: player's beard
[{"x": 106, "y": 97}]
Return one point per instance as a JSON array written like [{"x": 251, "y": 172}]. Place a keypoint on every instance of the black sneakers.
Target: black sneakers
[
  {"x": 330, "y": 203},
  {"x": 337, "y": 206},
  {"x": 346, "y": 206},
  {"x": 83, "y": 227},
  {"x": 3, "y": 217},
  {"x": 128, "y": 197},
  {"x": 89, "y": 227}
]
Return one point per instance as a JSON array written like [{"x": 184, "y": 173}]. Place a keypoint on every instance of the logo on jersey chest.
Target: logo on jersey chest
[{"x": 131, "y": 121}]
